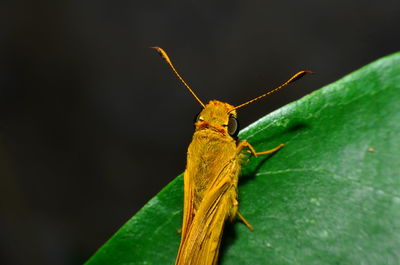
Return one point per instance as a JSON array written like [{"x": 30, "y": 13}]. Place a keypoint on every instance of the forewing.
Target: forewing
[
  {"x": 188, "y": 210},
  {"x": 201, "y": 243}
]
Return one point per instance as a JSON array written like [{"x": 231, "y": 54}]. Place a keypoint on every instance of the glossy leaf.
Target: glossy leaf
[{"x": 330, "y": 196}]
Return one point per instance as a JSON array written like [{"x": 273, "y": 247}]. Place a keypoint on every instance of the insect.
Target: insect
[{"x": 211, "y": 177}]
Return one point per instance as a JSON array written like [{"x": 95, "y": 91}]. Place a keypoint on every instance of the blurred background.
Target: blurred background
[{"x": 93, "y": 123}]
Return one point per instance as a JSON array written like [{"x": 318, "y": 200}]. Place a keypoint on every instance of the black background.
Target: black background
[{"x": 93, "y": 123}]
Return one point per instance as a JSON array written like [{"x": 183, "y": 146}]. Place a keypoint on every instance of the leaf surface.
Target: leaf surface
[{"x": 330, "y": 196}]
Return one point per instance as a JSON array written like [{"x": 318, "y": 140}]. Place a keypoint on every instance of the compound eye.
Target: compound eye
[
  {"x": 233, "y": 126},
  {"x": 196, "y": 118}
]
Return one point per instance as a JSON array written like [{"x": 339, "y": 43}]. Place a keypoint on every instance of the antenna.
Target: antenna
[
  {"x": 295, "y": 77},
  {"x": 164, "y": 55}
]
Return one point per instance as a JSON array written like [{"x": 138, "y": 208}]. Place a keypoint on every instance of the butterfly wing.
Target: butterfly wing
[
  {"x": 188, "y": 206},
  {"x": 202, "y": 237}
]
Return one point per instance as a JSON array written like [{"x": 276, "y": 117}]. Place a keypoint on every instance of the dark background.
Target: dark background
[{"x": 93, "y": 123}]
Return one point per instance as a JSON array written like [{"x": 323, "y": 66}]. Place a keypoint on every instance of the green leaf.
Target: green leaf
[{"x": 330, "y": 196}]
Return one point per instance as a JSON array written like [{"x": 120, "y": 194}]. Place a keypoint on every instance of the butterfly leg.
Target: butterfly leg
[
  {"x": 235, "y": 212},
  {"x": 244, "y": 144},
  {"x": 240, "y": 148},
  {"x": 273, "y": 150},
  {"x": 244, "y": 221}
]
